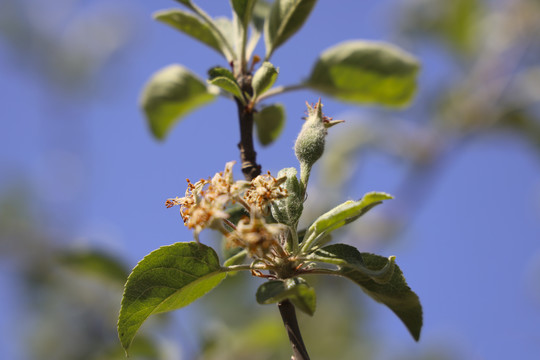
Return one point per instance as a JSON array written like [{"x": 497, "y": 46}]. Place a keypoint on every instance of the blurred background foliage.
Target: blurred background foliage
[{"x": 64, "y": 293}]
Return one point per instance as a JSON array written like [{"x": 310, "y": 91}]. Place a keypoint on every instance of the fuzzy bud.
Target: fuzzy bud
[{"x": 309, "y": 145}]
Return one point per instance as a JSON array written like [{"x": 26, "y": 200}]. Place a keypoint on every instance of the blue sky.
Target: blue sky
[{"x": 471, "y": 251}]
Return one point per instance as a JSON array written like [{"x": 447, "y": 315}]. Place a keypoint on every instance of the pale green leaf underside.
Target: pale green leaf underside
[
  {"x": 270, "y": 121},
  {"x": 296, "y": 289},
  {"x": 394, "y": 293},
  {"x": 190, "y": 25},
  {"x": 167, "y": 279},
  {"x": 171, "y": 93},
  {"x": 285, "y": 19},
  {"x": 366, "y": 72}
]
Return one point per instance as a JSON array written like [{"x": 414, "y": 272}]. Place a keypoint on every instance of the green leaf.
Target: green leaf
[
  {"x": 288, "y": 210},
  {"x": 366, "y": 72},
  {"x": 285, "y": 19},
  {"x": 346, "y": 255},
  {"x": 296, "y": 289},
  {"x": 171, "y": 93},
  {"x": 342, "y": 215},
  {"x": 243, "y": 9},
  {"x": 270, "y": 121},
  {"x": 225, "y": 80},
  {"x": 264, "y": 78},
  {"x": 190, "y": 25},
  {"x": 167, "y": 279},
  {"x": 394, "y": 293}
]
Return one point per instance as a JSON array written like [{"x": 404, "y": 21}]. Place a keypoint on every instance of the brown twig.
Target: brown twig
[
  {"x": 288, "y": 315},
  {"x": 248, "y": 156}
]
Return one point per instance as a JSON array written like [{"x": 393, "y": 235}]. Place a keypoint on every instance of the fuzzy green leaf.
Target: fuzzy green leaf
[
  {"x": 288, "y": 210},
  {"x": 366, "y": 72},
  {"x": 270, "y": 121},
  {"x": 190, "y": 25},
  {"x": 225, "y": 80},
  {"x": 296, "y": 289},
  {"x": 167, "y": 279},
  {"x": 285, "y": 19},
  {"x": 394, "y": 292},
  {"x": 171, "y": 93},
  {"x": 264, "y": 78},
  {"x": 342, "y": 215}
]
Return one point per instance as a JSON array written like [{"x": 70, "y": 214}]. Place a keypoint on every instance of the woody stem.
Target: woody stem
[{"x": 250, "y": 168}]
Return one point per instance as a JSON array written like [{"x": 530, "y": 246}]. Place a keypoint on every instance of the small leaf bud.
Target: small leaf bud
[{"x": 289, "y": 209}]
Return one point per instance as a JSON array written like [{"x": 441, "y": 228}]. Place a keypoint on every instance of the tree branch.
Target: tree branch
[
  {"x": 288, "y": 315},
  {"x": 248, "y": 156}
]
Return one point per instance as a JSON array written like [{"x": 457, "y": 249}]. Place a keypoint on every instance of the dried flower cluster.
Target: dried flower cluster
[{"x": 205, "y": 202}]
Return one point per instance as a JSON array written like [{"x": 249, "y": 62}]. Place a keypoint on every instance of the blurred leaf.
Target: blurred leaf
[
  {"x": 94, "y": 262},
  {"x": 167, "y": 279},
  {"x": 285, "y": 19},
  {"x": 270, "y": 121},
  {"x": 225, "y": 26},
  {"x": 395, "y": 293},
  {"x": 258, "y": 18},
  {"x": 341, "y": 215},
  {"x": 190, "y": 25},
  {"x": 185, "y": 2},
  {"x": 296, "y": 289},
  {"x": 243, "y": 9},
  {"x": 460, "y": 22},
  {"x": 455, "y": 21},
  {"x": 261, "y": 11},
  {"x": 264, "y": 78},
  {"x": 225, "y": 80},
  {"x": 171, "y": 93},
  {"x": 366, "y": 72}
]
